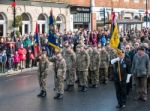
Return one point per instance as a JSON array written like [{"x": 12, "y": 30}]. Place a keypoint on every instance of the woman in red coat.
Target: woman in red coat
[{"x": 22, "y": 56}]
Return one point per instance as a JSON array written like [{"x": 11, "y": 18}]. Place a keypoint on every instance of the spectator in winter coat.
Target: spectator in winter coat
[
  {"x": 3, "y": 59},
  {"x": 16, "y": 60},
  {"x": 22, "y": 56}
]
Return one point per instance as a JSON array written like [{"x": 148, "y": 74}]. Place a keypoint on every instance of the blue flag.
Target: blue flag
[
  {"x": 36, "y": 36},
  {"x": 52, "y": 38}
]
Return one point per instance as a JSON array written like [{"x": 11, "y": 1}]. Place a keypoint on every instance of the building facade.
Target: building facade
[
  {"x": 130, "y": 13},
  {"x": 33, "y": 11},
  {"x": 73, "y": 14}
]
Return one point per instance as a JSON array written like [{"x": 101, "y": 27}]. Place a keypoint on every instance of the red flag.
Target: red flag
[
  {"x": 36, "y": 28},
  {"x": 37, "y": 41},
  {"x": 113, "y": 17},
  {"x": 13, "y": 4}
]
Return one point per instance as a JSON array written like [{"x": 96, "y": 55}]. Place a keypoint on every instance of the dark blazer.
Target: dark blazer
[{"x": 125, "y": 68}]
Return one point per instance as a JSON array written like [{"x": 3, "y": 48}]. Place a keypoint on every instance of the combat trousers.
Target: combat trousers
[
  {"x": 141, "y": 87},
  {"x": 111, "y": 72},
  {"x": 70, "y": 77},
  {"x": 59, "y": 84},
  {"x": 83, "y": 78},
  {"x": 103, "y": 73},
  {"x": 94, "y": 77},
  {"x": 42, "y": 81},
  {"x": 121, "y": 92},
  {"x": 89, "y": 77}
]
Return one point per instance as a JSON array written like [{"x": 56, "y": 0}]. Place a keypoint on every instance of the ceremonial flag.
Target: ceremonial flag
[
  {"x": 36, "y": 36},
  {"x": 37, "y": 41},
  {"x": 52, "y": 38},
  {"x": 115, "y": 40}
]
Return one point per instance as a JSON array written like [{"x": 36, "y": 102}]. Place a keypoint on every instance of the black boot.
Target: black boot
[
  {"x": 84, "y": 89},
  {"x": 44, "y": 94},
  {"x": 68, "y": 88},
  {"x": 95, "y": 86},
  {"x": 80, "y": 88},
  {"x": 71, "y": 87},
  {"x": 56, "y": 96},
  {"x": 40, "y": 94},
  {"x": 60, "y": 96}
]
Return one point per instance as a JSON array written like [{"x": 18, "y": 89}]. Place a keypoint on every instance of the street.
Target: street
[{"x": 18, "y": 93}]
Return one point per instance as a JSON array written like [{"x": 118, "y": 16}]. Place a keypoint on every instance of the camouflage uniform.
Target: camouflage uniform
[
  {"x": 60, "y": 70},
  {"x": 83, "y": 62},
  {"x": 104, "y": 66},
  {"x": 63, "y": 52},
  {"x": 77, "y": 72},
  {"x": 94, "y": 67},
  {"x": 90, "y": 52},
  {"x": 43, "y": 72},
  {"x": 71, "y": 68},
  {"x": 112, "y": 54}
]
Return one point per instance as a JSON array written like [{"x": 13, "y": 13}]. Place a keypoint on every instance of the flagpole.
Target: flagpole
[
  {"x": 112, "y": 10},
  {"x": 146, "y": 13},
  {"x": 119, "y": 72},
  {"x": 14, "y": 17}
]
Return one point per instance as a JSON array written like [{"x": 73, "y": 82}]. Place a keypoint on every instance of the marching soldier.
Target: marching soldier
[
  {"x": 63, "y": 52},
  {"x": 60, "y": 70},
  {"x": 43, "y": 72},
  {"x": 94, "y": 67},
  {"x": 83, "y": 62},
  {"x": 104, "y": 65},
  {"x": 90, "y": 52},
  {"x": 71, "y": 68},
  {"x": 77, "y": 56}
]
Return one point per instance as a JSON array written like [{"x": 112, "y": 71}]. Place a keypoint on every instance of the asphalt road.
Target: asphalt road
[{"x": 18, "y": 93}]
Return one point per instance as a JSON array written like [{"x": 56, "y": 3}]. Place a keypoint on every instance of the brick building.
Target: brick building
[
  {"x": 131, "y": 13},
  {"x": 72, "y": 14}
]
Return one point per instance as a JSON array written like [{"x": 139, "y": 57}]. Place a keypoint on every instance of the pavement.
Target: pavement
[
  {"x": 18, "y": 93},
  {"x": 12, "y": 72}
]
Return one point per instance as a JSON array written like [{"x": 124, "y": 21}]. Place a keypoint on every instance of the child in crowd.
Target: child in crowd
[
  {"x": 16, "y": 60},
  {"x": 32, "y": 58},
  {"x": 3, "y": 60}
]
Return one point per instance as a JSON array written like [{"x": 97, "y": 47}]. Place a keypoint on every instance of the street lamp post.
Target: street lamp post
[
  {"x": 14, "y": 15},
  {"x": 104, "y": 16}
]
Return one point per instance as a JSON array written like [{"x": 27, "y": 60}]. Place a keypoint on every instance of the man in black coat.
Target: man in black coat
[{"x": 122, "y": 66}]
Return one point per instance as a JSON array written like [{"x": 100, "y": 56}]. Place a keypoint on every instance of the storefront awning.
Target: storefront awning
[{"x": 129, "y": 21}]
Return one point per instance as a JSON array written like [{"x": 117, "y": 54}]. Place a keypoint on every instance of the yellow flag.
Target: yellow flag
[{"x": 114, "y": 41}]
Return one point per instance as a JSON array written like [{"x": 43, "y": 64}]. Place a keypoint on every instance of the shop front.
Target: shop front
[{"x": 81, "y": 17}]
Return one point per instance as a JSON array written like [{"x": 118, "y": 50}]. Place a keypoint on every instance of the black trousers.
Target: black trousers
[
  {"x": 121, "y": 92},
  {"x": 129, "y": 86}
]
